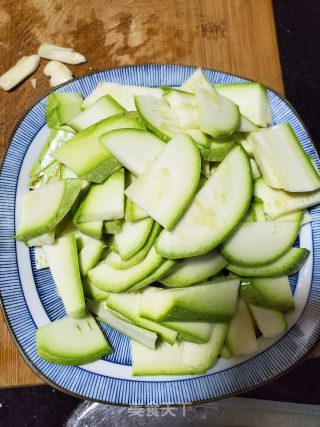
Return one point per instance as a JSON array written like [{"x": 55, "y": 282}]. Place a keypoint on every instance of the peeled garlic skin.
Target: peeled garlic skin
[
  {"x": 21, "y": 70},
  {"x": 62, "y": 54},
  {"x": 58, "y": 72}
]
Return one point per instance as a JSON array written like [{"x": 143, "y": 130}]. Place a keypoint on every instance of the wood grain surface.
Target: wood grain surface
[{"x": 236, "y": 36}]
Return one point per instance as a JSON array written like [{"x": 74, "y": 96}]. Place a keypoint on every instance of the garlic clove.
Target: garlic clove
[
  {"x": 57, "y": 72},
  {"x": 62, "y": 54},
  {"x": 21, "y": 70}
]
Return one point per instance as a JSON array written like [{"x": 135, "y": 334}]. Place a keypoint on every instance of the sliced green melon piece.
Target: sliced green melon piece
[
  {"x": 92, "y": 229},
  {"x": 217, "y": 150},
  {"x": 250, "y": 216},
  {"x": 241, "y": 339},
  {"x": 200, "y": 137},
  {"x": 135, "y": 149},
  {"x": 252, "y": 99},
  {"x": 121, "y": 324},
  {"x": 123, "y": 94},
  {"x": 128, "y": 305},
  {"x": 166, "y": 359},
  {"x": 165, "y": 189},
  {"x": 70, "y": 228},
  {"x": 105, "y": 107},
  {"x": 218, "y": 115},
  {"x": 90, "y": 254},
  {"x": 210, "y": 301},
  {"x": 196, "y": 332},
  {"x": 44, "y": 239},
  {"x": 158, "y": 116},
  {"x": 260, "y": 243},
  {"x": 62, "y": 107},
  {"x": 109, "y": 279},
  {"x": 71, "y": 341},
  {"x": 282, "y": 160},
  {"x": 114, "y": 260},
  {"x": 214, "y": 212},
  {"x": 62, "y": 258},
  {"x": 279, "y": 202},
  {"x": 247, "y": 143},
  {"x": 255, "y": 169},
  {"x": 246, "y": 125},
  {"x": 42, "y": 209},
  {"x": 85, "y": 156},
  {"x": 133, "y": 236},
  {"x": 185, "y": 107},
  {"x": 203, "y": 356},
  {"x": 272, "y": 292},
  {"x": 288, "y": 264},
  {"x": 195, "y": 269},
  {"x": 113, "y": 226},
  {"x": 271, "y": 323},
  {"x": 257, "y": 206},
  {"x": 132, "y": 211},
  {"x": 55, "y": 139},
  {"x": 103, "y": 201},
  {"x": 156, "y": 275},
  {"x": 196, "y": 80},
  {"x": 226, "y": 353},
  {"x": 92, "y": 292}
]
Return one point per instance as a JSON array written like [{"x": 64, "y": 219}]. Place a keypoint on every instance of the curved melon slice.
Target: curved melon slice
[
  {"x": 218, "y": 115},
  {"x": 282, "y": 160},
  {"x": 195, "y": 270},
  {"x": 288, "y": 264},
  {"x": 70, "y": 341},
  {"x": 135, "y": 149},
  {"x": 158, "y": 116},
  {"x": 114, "y": 260},
  {"x": 214, "y": 212},
  {"x": 259, "y": 243},
  {"x": 165, "y": 189},
  {"x": 278, "y": 202},
  {"x": 111, "y": 280},
  {"x": 166, "y": 359},
  {"x": 42, "y": 209},
  {"x": 155, "y": 276},
  {"x": 133, "y": 236},
  {"x": 128, "y": 306}
]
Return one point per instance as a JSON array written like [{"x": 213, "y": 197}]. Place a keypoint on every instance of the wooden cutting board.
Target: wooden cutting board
[{"x": 236, "y": 36}]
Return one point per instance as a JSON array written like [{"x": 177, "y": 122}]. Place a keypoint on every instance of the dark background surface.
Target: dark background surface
[{"x": 298, "y": 30}]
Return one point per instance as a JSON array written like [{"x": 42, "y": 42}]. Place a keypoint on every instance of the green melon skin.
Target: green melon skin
[{"x": 70, "y": 341}]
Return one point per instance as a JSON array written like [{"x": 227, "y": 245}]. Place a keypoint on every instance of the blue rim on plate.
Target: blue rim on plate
[{"x": 29, "y": 300}]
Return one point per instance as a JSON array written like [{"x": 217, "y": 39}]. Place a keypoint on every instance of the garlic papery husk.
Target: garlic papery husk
[
  {"x": 21, "y": 70},
  {"x": 62, "y": 54}
]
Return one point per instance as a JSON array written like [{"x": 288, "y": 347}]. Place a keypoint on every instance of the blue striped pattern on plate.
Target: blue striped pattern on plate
[{"x": 114, "y": 383}]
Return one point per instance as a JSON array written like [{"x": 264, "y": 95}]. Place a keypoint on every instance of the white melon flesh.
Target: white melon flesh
[
  {"x": 72, "y": 341},
  {"x": 259, "y": 243},
  {"x": 195, "y": 269},
  {"x": 282, "y": 160},
  {"x": 241, "y": 339},
  {"x": 165, "y": 189},
  {"x": 108, "y": 279},
  {"x": 214, "y": 212},
  {"x": 135, "y": 149},
  {"x": 132, "y": 237}
]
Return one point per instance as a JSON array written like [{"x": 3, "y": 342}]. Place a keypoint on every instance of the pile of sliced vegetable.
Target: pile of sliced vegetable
[{"x": 170, "y": 215}]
